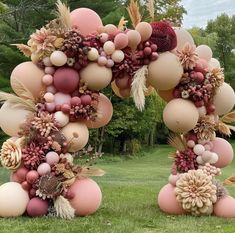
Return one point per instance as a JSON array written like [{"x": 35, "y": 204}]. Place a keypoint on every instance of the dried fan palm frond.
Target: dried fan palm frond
[
  {"x": 230, "y": 181},
  {"x": 223, "y": 128},
  {"x": 122, "y": 23},
  {"x": 63, "y": 208},
  {"x": 178, "y": 142},
  {"x": 138, "y": 87},
  {"x": 63, "y": 14},
  {"x": 25, "y": 49},
  {"x": 228, "y": 118},
  {"x": 17, "y": 101},
  {"x": 134, "y": 12},
  {"x": 150, "y": 7},
  {"x": 87, "y": 172}
]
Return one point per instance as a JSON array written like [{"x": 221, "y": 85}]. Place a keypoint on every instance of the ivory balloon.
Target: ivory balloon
[
  {"x": 30, "y": 76},
  {"x": 134, "y": 39},
  {"x": 180, "y": 115},
  {"x": 165, "y": 73},
  {"x": 87, "y": 20},
  {"x": 224, "y": 99},
  {"x": 77, "y": 136},
  {"x": 104, "y": 113},
  {"x": 213, "y": 63},
  {"x": 96, "y": 77},
  {"x": 225, "y": 207},
  {"x": 145, "y": 30},
  {"x": 86, "y": 195},
  {"x": 13, "y": 200},
  {"x": 12, "y": 117},
  {"x": 183, "y": 36},
  {"x": 204, "y": 52}
]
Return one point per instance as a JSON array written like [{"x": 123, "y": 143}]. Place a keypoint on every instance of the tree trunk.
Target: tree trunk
[{"x": 101, "y": 139}]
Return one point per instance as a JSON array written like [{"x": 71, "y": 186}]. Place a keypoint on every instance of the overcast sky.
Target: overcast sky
[{"x": 200, "y": 11}]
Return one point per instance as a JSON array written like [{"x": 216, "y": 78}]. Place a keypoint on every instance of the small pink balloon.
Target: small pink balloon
[
  {"x": 51, "y": 89},
  {"x": 104, "y": 37},
  {"x": 201, "y": 66},
  {"x": 37, "y": 207},
  {"x": 15, "y": 178},
  {"x": 43, "y": 169},
  {"x": 25, "y": 185},
  {"x": 61, "y": 98},
  {"x": 121, "y": 41},
  {"x": 225, "y": 207},
  {"x": 75, "y": 101},
  {"x": 167, "y": 200},
  {"x": 49, "y": 70},
  {"x": 86, "y": 99},
  {"x": 224, "y": 150},
  {"x": 47, "y": 79},
  {"x": 32, "y": 176},
  {"x": 87, "y": 20},
  {"x": 87, "y": 196},
  {"x": 32, "y": 192},
  {"x": 49, "y": 97},
  {"x": 110, "y": 63},
  {"x": 52, "y": 158},
  {"x": 110, "y": 29},
  {"x": 50, "y": 107},
  {"x": 102, "y": 61},
  {"x": 21, "y": 173},
  {"x": 134, "y": 39}
]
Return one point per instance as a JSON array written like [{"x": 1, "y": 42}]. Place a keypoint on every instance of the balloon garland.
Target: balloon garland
[{"x": 58, "y": 98}]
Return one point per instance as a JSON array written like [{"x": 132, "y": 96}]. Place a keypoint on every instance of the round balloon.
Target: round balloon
[
  {"x": 30, "y": 76},
  {"x": 13, "y": 200},
  {"x": 37, "y": 207},
  {"x": 183, "y": 36},
  {"x": 116, "y": 90},
  {"x": 87, "y": 20},
  {"x": 77, "y": 136},
  {"x": 213, "y": 63},
  {"x": 9, "y": 123},
  {"x": 225, "y": 207},
  {"x": 167, "y": 200},
  {"x": 86, "y": 195},
  {"x": 180, "y": 115},
  {"x": 204, "y": 52},
  {"x": 165, "y": 73},
  {"x": 166, "y": 95}
]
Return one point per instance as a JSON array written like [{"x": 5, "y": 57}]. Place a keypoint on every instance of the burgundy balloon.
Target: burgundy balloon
[
  {"x": 66, "y": 80},
  {"x": 21, "y": 173},
  {"x": 32, "y": 192},
  {"x": 65, "y": 108},
  {"x": 86, "y": 99},
  {"x": 75, "y": 101},
  {"x": 25, "y": 185},
  {"x": 37, "y": 207},
  {"x": 123, "y": 82},
  {"x": 32, "y": 176}
]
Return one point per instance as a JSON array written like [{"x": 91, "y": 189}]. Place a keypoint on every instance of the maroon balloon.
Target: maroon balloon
[
  {"x": 66, "y": 80},
  {"x": 75, "y": 101},
  {"x": 25, "y": 185},
  {"x": 65, "y": 108},
  {"x": 86, "y": 99},
  {"x": 32, "y": 176},
  {"x": 21, "y": 173},
  {"x": 122, "y": 82},
  {"x": 32, "y": 192},
  {"x": 37, "y": 207}
]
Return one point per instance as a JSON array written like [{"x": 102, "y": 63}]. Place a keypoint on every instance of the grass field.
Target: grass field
[{"x": 129, "y": 189}]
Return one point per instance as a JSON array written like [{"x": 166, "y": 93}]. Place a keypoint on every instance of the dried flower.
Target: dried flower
[
  {"x": 210, "y": 170},
  {"x": 11, "y": 154},
  {"x": 196, "y": 192},
  {"x": 221, "y": 191},
  {"x": 63, "y": 208},
  {"x": 187, "y": 56},
  {"x": 216, "y": 78}
]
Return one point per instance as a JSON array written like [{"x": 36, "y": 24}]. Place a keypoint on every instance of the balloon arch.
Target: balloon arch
[{"x": 58, "y": 98}]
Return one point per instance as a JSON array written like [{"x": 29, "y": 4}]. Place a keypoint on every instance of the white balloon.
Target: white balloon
[
  {"x": 183, "y": 36},
  {"x": 204, "y": 52},
  {"x": 213, "y": 63}
]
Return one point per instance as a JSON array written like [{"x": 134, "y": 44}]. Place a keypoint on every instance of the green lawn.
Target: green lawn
[{"x": 129, "y": 189}]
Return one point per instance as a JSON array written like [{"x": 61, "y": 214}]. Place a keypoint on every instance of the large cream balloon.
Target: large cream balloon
[
  {"x": 165, "y": 73},
  {"x": 204, "y": 52},
  {"x": 180, "y": 115},
  {"x": 213, "y": 64},
  {"x": 183, "y": 36},
  {"x": 96, "y": 77},
  {"x": 12, "y": 117},
  {"x": 77, "y": 136},
  {"x": 30, "y": 76},
  {"x": 224, "y": 99},
  {"x": 13, "y": 200}
]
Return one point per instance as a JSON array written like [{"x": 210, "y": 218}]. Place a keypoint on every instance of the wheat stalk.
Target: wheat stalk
[
  {"x": 63, "y": 14},
  {"x": 178, "y": 142},
  {"x": 134, "y": 12},
  {"x": 63, "y": 208},
  {"x": 122, "y": 23},
  {"x": 150, "y": 7},
  {"x": 229, "y": 118}
]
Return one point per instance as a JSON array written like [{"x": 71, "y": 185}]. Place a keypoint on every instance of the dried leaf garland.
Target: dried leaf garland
[
  {"x": 223, "y": 128},
  {"x": 230, "y": 181},
  {"x": 134, "y": 12},
  {"x": 150, "y": 7},
  {"x": 178, "y": 142},
  {"x": 25, "y": 49},
  {"x": 229, "y": 118},
  {"x": 87, "y": 172},
  {"x": 138, "y": 87},
  {"x": 63, "y": 208},
  {"x": 122, "y": 24}
]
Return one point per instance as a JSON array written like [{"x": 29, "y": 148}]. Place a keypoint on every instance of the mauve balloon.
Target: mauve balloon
[{"x": 37, "y": 207}]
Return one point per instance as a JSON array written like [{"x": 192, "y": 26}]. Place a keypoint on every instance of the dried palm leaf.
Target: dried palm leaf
[
  {"x": 223, "y": 128},
  {"x": 230, "y": 181},
  {"x": 178, "y": 142},
  {"x": 229, "y": 118},
  {"x": 63, "y": 208},
  {"x": 231, "y": 127},
  {"x": 134, "y": 12},
  {"x": 150, "y": 7},
  {"x": 25, "y": 49},
  {"x": 63, "y": 14},
  {"x": 17, "y": 101},
  {"x": 122, "y": 24},
  {"x": 87, "y": 172},
  {"x": 138, "y": 87}
]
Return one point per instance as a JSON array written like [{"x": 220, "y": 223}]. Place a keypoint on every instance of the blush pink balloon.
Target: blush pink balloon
[
  {"x": 87, "y": 20},
  {"x": 167, "y": 200},
  {"x": 32, "y": 176},
  {"x": 134, "y": 38},
  {"x": 52, "y": 158},
  {"x": 37, "y": 207},
  {"x": 104, "y": 113},
  {"x": 21, "y": 173},
  {"x": 43, "y": 169},
  {"x": 86, "y": 195},
  {"x": 224, "y": 151},
  {"x": 121, "y": 41},
  {"x": 225, "y": 207},
  {"x": 61, "y": 98},
  {"x": 15, "y": 178}
]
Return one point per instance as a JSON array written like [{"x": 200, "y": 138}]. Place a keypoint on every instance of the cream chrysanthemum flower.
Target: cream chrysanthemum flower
[
  {"x": 196, "y": 192},
  {"x": 11, "y": 154}
]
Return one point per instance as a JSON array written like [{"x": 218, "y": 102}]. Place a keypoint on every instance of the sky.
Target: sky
[{"x": 200, "y": 11}]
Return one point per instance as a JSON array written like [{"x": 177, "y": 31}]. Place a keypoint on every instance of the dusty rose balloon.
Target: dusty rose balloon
[
  {"x": 61, "y": 98},
  {"x": 30, "y": 76},
  {"x": 52, "y": 158},
  {"x": 43, "y": 169},
  {"x": 122, "y": 82},
  {"x": 166, "y": 72},
  {"x": 87, "y": 20},
  {"x": 145, "y": 30},
  {"x": 32, "y": 176},
  {"x": 51, "y": 89},
  {"x": 21, "y": 173},
  {"x": 9, "y": 123},
  {"x": 13, "y": 200},
  {"x": 76, "y": 135},
  {"x": 104, "y": 113},
  {"x": 225, "y": 207},
  {"x": 180, "y": 115},
  {"x": 37, "y": 207},
  {"x": 166, "y": 95},
  {"x": 121, "y": 41},
  {"x": 167, "y": 200},
  {"x": 25, "y": 185},
  {"x": 87, "y": 196},
  {"x": 96, "y": 77},
  {"x": 224, "y": 150},
  {"x": 183, "y": 36},
  {"x": 47, "y": 79},
  {"x": 134, "y": 39},
  {"x": 15, "y": 178},
  {"x": 204, "y": 52},
  {"x": 50, "y": 107},
  {"x": 224, "y": 99}
]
